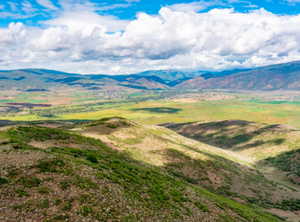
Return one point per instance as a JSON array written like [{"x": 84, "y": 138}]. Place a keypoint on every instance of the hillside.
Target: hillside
[
  {"x": 222, "y": 171},
  {"x": 53, "y": 174},
  {"x": 275, "y": 77},
  {"x": 265, "y": 145}
]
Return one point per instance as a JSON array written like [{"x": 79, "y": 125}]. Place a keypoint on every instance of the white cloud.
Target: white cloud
[
  {"x": 19, "y": 10},
  {"x": 27, "y": 7},
  {"x": 193, "y": 6},
  {"x": 90, "y": 43},
  {"x": 47, "y": 4},
  {"x": 82, "y": 18}
]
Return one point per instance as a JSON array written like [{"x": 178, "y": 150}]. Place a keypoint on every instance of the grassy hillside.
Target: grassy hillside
[
  {"x": 264, "y": 144},
  {"x": 222, "y": 171},
  {"x": 51, "y": 174}
]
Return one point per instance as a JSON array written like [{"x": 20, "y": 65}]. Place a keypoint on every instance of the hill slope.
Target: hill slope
[
  {"x": 50, "y": 174},
  {"x": 275, "y": 145},
  {"x": 283, "y": 76},
  {"x": 220, "y": 171}
]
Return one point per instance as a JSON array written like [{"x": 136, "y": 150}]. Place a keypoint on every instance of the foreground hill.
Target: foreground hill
[
  {"x": 221, "y": 171},
  {"x": 55, "y": 174}
]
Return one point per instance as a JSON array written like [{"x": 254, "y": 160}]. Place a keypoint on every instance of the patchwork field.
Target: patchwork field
[{"x": 164, "y": 110}]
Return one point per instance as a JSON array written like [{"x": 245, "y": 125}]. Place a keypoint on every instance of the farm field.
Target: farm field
[{"x": 166, "y": 110}]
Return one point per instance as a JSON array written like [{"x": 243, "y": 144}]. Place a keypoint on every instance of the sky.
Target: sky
[{"x": 129, "y": 36}]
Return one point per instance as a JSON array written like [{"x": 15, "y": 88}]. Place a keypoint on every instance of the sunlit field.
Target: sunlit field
[{"x": 165, "y": 110}]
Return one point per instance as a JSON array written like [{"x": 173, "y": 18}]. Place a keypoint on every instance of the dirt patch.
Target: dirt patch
[
  {"x": 42, "y": 145},
  {"x": 215, "y": 180},
  {"x": 290, "y": 216},
  {"x": 196, "y": 97},
  {"x": 103, "y": 139},
  {"x": 20, "y": 159}
]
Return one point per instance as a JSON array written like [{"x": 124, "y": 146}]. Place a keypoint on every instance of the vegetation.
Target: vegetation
[
  {"x": 150, "y": 112},
  {"x": 231, "y": 157},
  {"x": 288, "y": 162},
  {"x": 103, "y": 184}
]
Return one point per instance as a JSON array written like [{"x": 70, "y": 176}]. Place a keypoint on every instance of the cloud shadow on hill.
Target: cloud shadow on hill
[
  {"x": 169, "y": 110},
  {"x": 234, "y": 135}
]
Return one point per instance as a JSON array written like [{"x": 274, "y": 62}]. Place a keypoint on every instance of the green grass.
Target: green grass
[{"x": 280, "y": 113}]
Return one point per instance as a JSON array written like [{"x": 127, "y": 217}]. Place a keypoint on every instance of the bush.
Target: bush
[
  {"x": 3, "y": 180},
  {"x": 51, "y": 166},
  {"x": 29, "y": 182},
  {"x": 92, "y": 158}
]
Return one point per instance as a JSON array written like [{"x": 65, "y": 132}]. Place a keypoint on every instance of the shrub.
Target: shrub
[
  {"x": 3, "y": 180},
  {"x": 29, "y": 182},
  {"x": 92, "y": 158},
  {"x": 51, "y": 166}
]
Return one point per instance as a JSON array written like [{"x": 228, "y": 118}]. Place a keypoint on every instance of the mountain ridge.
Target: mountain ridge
[{"x": 284, "y": 76}]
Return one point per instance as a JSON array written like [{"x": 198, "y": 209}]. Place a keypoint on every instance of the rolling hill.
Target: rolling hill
[{"x": 66, "y": 171}]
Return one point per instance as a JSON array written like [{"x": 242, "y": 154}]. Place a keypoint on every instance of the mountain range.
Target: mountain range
[{"x": 275, "y": 77}]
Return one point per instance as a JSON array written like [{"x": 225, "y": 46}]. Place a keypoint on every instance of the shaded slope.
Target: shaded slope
[
  {"x": 253, "y": 139},
  {"x": 275, "y": 145},
  {"x": 288, "y": 162}
]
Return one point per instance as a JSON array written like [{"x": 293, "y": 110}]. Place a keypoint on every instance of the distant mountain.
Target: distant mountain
[
  {"x": 43, "y": 80},
  {"x": 283, "y": 76},
  {"x": 275, "y": 77},
  {"x": 172, "y": 77},
  {"x": 28, "y": 79}
]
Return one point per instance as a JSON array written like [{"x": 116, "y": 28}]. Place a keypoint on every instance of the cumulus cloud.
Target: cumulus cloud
[{"x": 87, "y": 42}]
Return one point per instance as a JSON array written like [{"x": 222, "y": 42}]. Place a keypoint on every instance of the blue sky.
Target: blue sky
[
  {"x": 31, "y": 12},
  {"x": 126, "y": 36}
]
